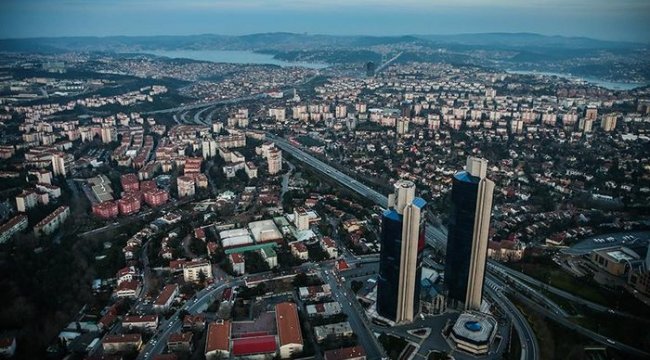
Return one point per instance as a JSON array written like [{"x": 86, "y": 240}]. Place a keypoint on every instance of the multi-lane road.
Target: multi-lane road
[{"x": 435, "y": 235}]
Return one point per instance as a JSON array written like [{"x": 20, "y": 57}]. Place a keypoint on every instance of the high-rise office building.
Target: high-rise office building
[
  {"x": 467, "y": 240},
  {"x": 400, "y": 263}
]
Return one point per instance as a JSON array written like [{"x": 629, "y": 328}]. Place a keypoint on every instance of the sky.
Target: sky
[{"x": 602, "y": 19}]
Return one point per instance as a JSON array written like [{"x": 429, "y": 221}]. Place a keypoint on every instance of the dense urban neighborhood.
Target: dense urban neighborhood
[{"x": 163, "y": 208}]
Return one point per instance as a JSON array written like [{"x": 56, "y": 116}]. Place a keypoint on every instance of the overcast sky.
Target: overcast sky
[{"x": 603, "y": 19}]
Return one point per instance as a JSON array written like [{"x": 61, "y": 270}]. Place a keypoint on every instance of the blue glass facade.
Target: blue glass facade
[
  {"x": 389, "y": 261},
  {"x": 389, "y": 264},
  {"x": 460, "y": 236}
]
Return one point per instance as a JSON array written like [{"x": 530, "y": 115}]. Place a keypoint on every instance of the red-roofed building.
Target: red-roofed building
[
  {"x": 128, "y": 289},
  {"x": 180, "y": 342},
  {"x": 148, "y": 185},
  {"x": 299, "y": 250},
  {"x": 130, "y": 182},
  {"x": 123, "y": 344},
  {"x": 289, "y": 332},
  {"x": 348, "y": 353},
  {"x": 329, "y": 246},
  {"x": 257, "y": 345},
  {"x": 156, "y": 197},
  {"x": 342, "y": 265},
  {"x": 194, "y": 322},
  {"x": 129, "y": 205},
  {"x": 217, "y": 342},
  {"x": 165, "y": 298},
  {"x": 140, "y": 322}
]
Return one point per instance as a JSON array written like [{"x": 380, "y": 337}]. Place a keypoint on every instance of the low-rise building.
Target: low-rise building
[
  {"x": 346, "y": 353},
  {"x": 52, "y": 221},
  {"x": 15, "y": 225},
  {"x": 128, "y": 289},
  {"x": 164, "y": 300},
  {"x": 315, "y": 293},
  {"x": 217, "y": 342},
  {"x": 238, "y": 263},
  {"x": 325, "y": 309},
  {"x": 289, "y": 331},
  {"x": 473, "y": 332},
  {"x": 299, "y": 250},
  {"x": 270, "y": 256},
  {"x": 180, "y": 342},
  {"x": 122, "y": 344},
  {"x": 329, "y": 246},
  {"x": 145, "y": 323},
  {"x": 338, "y": 330},
  {"x": 192, "y": 270}
]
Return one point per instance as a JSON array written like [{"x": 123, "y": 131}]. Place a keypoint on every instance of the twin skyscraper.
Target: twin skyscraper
[{"x": 403, "y": 241}]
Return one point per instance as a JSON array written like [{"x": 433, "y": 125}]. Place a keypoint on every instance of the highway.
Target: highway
[
  {"x": 435, "y": 236},
  {"x": 194, "y": 305},
  {"x": 359, "y": 323},
  {"x": 495, "y": 266},
  {"x": 583, "y": 331},
  {"x": 527, "y": 339},
  {"x": 207, "y": 104}
]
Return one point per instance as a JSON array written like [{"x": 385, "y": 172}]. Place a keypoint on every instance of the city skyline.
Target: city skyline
[{"x": 623, "y": 21}]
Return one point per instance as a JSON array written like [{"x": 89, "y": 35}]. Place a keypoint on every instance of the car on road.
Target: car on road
[{"x": 611, "y": 341}]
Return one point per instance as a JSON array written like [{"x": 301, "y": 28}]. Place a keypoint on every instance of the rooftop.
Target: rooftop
[{"x": 288, "y": 324}]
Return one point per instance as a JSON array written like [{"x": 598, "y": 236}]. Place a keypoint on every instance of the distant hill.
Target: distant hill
[
  {"x": 520, "y": 40},
  {"x": 293, "y": 41}
]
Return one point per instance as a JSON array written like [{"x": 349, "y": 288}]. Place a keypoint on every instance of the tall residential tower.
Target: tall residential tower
[
  {"x": 467, "y": 240},
  {"x": 400, "y": 263}
]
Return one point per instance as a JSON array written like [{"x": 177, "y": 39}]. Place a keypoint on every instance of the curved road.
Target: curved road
[{"x": 527, "y": 339}]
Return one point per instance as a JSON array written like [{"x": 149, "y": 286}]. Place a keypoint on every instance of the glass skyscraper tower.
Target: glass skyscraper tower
[
  {"x": 467, "y": 240},
  {"x": 400, "y": 262}
]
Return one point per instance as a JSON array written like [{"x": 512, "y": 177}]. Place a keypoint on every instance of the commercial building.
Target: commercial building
[
  {"x": 289, "y": 331},
  {"x": 400, "y": 261},
  {"x": 616, "y": 261},
  {"x": 474, "y": 332},
  {"x": 467, "y": 240}
]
